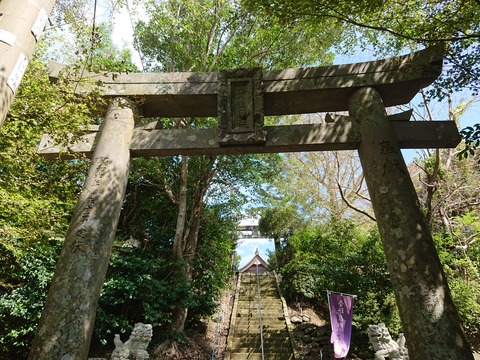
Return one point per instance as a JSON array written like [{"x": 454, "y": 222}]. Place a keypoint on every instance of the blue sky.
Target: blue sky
[
  {"x": 440, "y": 112},
  {"x": 246, "y": 249}
]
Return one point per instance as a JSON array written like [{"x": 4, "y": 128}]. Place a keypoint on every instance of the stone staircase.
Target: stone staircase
[{"x": 244, "y": 340}]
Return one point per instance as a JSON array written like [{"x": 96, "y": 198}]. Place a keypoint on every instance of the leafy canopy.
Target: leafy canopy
[{"x": 388, "y": 26}]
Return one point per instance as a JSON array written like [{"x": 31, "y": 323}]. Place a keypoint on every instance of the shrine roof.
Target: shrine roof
[{"x": 257, "y": 259}]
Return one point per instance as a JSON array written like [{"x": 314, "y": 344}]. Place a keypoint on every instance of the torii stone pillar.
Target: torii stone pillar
[
  {"x": 429, "y": 317},
  {"x": 21, "y": 25},
  {"x": 68, "y": 318}
]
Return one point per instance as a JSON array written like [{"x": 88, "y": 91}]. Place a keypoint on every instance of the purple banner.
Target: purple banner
[{"x": 341, "y": 310}]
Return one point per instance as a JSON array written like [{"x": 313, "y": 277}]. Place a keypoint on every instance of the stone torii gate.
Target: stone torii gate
[{"x": 240, "y": 98}]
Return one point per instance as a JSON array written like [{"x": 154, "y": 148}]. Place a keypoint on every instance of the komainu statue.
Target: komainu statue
[
  {"x": 383, "y": 344},
  {"x": 136, "y": 346}
]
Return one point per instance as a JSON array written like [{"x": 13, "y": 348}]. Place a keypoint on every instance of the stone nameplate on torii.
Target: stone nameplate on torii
[{"x": 240, "y": 107}]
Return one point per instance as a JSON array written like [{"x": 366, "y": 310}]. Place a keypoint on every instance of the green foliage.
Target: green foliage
[
  {"x": 212, "y": 267},
  {"x": 447, "y": 187},
  {"x": 459, "y": 253},
  {"x": 337, "y": 257},
  {"x": 141, "y": 284},
  {"x": 28, "y": 275},
  {"x": 387, "y": 27},
  {"x": 36, "y": 197},
  {"x": 322, "y": 186},
  {"x": 138, "y": 288},
  {"x": 192, "y": 35},
  {"x": 471, "y": 135},
  {"x": 105, "y": 56},
  {"x": 278, "y": 222}
]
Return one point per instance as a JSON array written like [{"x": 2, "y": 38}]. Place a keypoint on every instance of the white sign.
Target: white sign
[
  {"x": 17, "y": 73},
  {"x": 40, "y": 23},
  {"x": 7, "y": 37}
]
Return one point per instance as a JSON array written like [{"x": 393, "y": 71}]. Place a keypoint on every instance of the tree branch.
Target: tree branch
[
  {"x": 210, "y": 39},
  {"x": 350, "y": 21},
  {"x": 351, "y": 206}
]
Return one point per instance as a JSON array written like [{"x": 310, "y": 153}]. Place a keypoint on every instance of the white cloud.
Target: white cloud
[{"x": 122, "y": 35}]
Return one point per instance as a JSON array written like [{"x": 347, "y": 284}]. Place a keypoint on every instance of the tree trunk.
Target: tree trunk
[
  {"x": 186, "y": 248},
  {"x": 429, "y": 317},
  {"x": 185, "y": 244},
  {"x": 278, "y": 252},
  {"x": 180, "y": 312},
  {"x": 179, "y": 241}
]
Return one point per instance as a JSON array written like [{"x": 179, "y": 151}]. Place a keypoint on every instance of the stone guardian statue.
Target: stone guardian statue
[
  {"x": 136, "y": 346},
  {"x": 383, "y": 344}
]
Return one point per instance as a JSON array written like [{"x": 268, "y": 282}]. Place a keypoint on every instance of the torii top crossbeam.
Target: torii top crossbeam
[
  {"x": 240, "y": 98},
  {"x": 290, "y": 91}
]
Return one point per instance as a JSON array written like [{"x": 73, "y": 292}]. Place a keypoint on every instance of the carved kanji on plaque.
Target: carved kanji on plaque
[{"x": 240, "y": 107}]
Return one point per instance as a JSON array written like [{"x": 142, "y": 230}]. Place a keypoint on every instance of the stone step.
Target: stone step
[
  {"x": 273, "y": 319},
  {"x": 264, "y": 306},
  {"x": 263, "y": 302},
  {"x": 255, "y": 341},
  {"x": 254, "y": 298},
  {"x": 250, "y": 335},
  {"x": 253, "y": 291},
  {"x": 261, "y": 279},
  {"x": 254, "y": 294},
  {"x": 266, "y": 314},
  {"x": 243, "y": 310},
  {"x": 265, "y": 324},
  {"x": 266, "y": 319},
  {"x": 265, "y": 281},
  {"x": 254, "y": 288},
  {"x": 253, "y": 312},
  {"x": 256, "y": 328},
  {"x": 258, "y": 356},
  {"x": 245, "y": 336},
  {"x": 278, "y": 348},
  {"x": 257, "y": 349},
  {"x": 254, "y": 283},
  {"x": 252, "y": 338}
]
